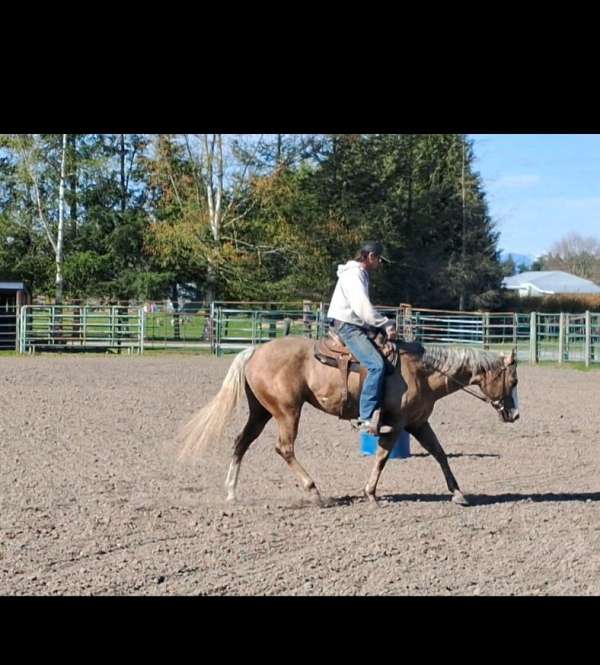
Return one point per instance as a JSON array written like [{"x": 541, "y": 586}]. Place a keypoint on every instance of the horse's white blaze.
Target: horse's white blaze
[{"x": 515, "y": 399}]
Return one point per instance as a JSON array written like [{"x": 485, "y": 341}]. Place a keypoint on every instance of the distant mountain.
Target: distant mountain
[{"x": 517, "y": 258}]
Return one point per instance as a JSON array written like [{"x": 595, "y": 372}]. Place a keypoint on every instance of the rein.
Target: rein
[{"x": 497, "y": 404}]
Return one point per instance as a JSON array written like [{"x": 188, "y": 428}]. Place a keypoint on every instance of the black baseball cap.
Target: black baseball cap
[{"x": 376, "y": 247}]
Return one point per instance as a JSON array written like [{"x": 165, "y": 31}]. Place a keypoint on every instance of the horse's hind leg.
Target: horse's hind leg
[
  {"x": 425, "y": 435},
  {"x": 257, "y": 419},
  {"x": 288, "y": 430},
  {"x": 386, "y": 443}
]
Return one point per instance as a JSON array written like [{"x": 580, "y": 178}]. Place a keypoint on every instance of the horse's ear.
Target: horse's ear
[{"x": 510, "y": 358}]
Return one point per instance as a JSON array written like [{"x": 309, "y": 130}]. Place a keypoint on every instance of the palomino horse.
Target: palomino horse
[{"x": 281, "y": 375}]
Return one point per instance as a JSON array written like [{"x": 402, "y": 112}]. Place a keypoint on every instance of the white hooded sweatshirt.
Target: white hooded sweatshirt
[{"x": 350, "y": 301}]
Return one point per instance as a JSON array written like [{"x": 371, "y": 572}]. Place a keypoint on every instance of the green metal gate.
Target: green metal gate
[{"x": 74, "y": 327}]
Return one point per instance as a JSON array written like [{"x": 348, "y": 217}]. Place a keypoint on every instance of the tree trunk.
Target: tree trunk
[
  {"x": 61, "y": 223},
  {"x": 123, "y": 185},
  {"x": 219, "y": 194},
  {"x": 210, "y": 187},
  {"x": 214, "y": 198},
  {"x": 463, "y": 295},
  {"x": 409, "y": 202},
  {"x": 210, "y": 293},
  {"x": 72, "y": 140}
]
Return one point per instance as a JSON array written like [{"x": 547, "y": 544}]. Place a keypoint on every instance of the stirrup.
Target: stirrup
[
  {"x": 370, "y": 427},
  {"x": 377, "y": 427}
]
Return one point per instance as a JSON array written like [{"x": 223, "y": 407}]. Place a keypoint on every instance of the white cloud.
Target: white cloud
[{"x": 518, "y": 181}]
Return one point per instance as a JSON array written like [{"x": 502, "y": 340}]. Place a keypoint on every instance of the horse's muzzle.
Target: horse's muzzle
[{"x": 508, "y": 416}]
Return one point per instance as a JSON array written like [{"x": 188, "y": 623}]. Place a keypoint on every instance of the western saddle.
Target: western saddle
[{"x": 332, "y": 351}]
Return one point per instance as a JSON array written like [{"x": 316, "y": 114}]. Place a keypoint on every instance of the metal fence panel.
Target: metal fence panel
[
  {"x": 72, "y": 327},
  {"x": 8, "y": 326},
  {"x": 231, "y": 326}
]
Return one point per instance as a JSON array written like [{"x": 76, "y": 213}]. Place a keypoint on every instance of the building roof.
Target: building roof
[
  {"x": 551, "y": 281},
  {"x": 13, "y": 286}
]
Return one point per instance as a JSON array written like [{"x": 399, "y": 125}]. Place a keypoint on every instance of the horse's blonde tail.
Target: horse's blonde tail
[{"x": 208, "y": 424}]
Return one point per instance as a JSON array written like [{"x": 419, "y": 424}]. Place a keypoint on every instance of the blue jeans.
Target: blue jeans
[{"x": 356, "y": 339}]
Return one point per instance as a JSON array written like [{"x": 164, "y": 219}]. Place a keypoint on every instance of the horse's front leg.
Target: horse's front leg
[
  {"x": 386, "y": 443},
  {"x": 425, "y": 435}
]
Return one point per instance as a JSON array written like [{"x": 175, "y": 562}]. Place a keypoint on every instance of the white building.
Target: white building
[{"x": 549, "y": 282}]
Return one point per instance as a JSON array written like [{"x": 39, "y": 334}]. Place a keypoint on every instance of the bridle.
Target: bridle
[{"x": 498, "y": 404}]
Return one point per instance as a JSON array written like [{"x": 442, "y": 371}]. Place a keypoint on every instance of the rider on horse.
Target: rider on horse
[{"x": 353, "y": 316}]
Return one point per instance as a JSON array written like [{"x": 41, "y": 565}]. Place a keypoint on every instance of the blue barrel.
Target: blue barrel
[{"x": 401, "y": 449}]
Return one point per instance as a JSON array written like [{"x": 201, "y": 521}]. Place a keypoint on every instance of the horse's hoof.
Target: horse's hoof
[
  {"x": 372, "y": 499},
  {"x": 459, "y": 499},
  {"x": 328, "y": 502},
  {"x": 315, "y": 500},
  {"x": 231, "y": 498}
]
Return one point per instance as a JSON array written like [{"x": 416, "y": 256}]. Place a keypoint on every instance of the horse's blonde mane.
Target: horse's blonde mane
[{"x": 452, "y": 360}]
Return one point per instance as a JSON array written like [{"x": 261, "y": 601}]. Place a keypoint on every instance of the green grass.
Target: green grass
[
  {"x": 177, "y": 351},
  {"x": 159, "y": 326},
  {"x": 241, "y": 328},
  {"x": 579, "y": 366},
  {"x": 98, "y": 326}
]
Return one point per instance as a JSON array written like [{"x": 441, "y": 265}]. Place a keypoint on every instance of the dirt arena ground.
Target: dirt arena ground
[{"x": 93, "y": 503}]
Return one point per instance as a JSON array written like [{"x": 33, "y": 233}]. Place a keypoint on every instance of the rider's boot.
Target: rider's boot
[{"x": 373, "y": 426}]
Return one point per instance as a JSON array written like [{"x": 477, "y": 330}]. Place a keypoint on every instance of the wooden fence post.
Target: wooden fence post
[
  {"x": 561, "y": 338},
  {"x": 407, "y": 326},
  {"x": 307, "y": 317},
  {"x": 533, "y": 355},
  {"x": 588, "y": 337},
  {"x": 272, "y": 322},
  {"x": 486, "y": 331}
]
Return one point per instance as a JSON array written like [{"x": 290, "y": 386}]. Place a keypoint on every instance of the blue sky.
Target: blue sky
[{"x": 540, "y": 187}]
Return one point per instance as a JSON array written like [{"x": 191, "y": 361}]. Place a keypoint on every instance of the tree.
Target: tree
[
  {"x": 38, "y": 158},
  {"x": 244, "y": 216},
  {"x": 575, "y": 254},
  {"x": 420, "y": 195},
  {"x": 509, "y": 267},
  {"x": 106, "y": 246},
  {"x": 199, "y": 185},
  {"x": 538, "y": 264}
]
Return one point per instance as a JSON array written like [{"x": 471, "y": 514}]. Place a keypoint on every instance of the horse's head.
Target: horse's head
[{"x": 500, "y": 387}]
